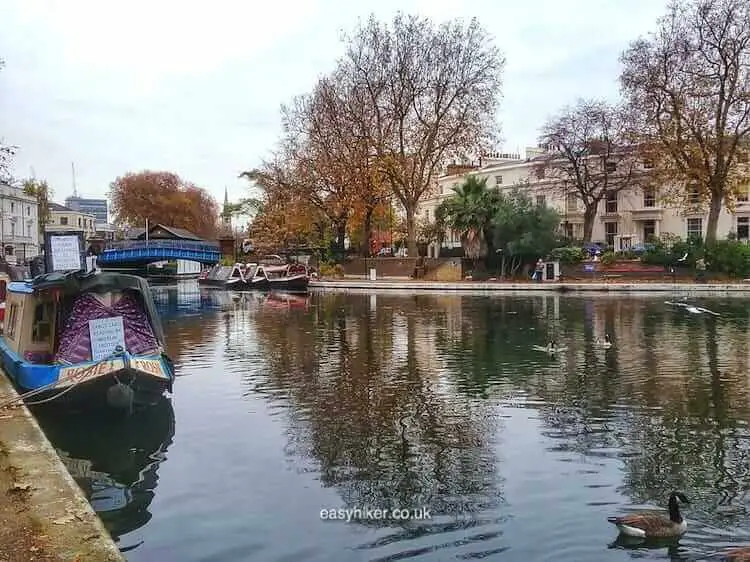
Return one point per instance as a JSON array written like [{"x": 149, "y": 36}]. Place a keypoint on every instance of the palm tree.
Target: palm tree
[{"x": 469, "y": 211}]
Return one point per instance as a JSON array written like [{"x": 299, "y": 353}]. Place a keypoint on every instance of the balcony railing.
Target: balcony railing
[{"x": 162, "y": 243}]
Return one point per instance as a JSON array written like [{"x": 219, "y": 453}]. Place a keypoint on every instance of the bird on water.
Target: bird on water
[{"x": 654, "y": 525}]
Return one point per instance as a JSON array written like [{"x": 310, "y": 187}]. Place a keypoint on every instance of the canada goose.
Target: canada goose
[
  {"x": 737, "y": 554},
  {"x": 605, "y": 343},
  {"x": 654, "y": 525},
  {"x": 550, "y": 348}
]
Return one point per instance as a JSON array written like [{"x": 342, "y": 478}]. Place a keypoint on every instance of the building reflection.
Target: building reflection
[{"x": 114, "y": 461}]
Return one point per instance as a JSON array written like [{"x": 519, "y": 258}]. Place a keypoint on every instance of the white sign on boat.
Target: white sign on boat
[
  {"x": 106, "y": 334},
  {"x": 65, "y": 252}
]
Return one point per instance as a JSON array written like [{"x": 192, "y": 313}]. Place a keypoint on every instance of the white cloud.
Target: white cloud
[{"x": 195, "y": 88}]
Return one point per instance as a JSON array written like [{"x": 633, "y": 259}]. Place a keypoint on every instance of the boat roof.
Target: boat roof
[{"x": 78, "y": 282}]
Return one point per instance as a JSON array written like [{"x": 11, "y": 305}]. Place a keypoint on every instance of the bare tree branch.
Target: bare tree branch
[
  {"x": 690, "y": 83},
  {"x": 589, "y": 155}
]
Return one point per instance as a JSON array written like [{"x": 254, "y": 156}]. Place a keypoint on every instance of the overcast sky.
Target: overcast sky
[{"x": 195, "y": 87}]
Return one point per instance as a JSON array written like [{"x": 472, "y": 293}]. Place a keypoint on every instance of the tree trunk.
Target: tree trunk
[
  {"x": 713, "y": 218},
  {"x": 411, "y": 230},
  {"x": 366, "y": 247},
  {"x": 340, "y": 236},
  {"x": 589, "y": 215}
]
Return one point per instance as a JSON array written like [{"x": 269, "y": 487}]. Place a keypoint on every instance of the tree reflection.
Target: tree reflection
[{"x": 376, "y": 421}]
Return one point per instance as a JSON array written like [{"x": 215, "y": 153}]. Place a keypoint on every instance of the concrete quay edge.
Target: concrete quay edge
[
  {"x": 70, "y": 528},
  {"x": 547, "y": 287}
]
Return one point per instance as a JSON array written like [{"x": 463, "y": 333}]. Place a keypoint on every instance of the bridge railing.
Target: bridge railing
[{"x": 162, "y": 243}]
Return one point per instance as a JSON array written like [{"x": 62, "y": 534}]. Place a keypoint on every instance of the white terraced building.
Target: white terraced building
[{"x": 627, "y": 218}]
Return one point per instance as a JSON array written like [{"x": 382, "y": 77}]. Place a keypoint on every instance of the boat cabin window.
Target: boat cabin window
[
  {"x": 42, "y": 327},
  {"x": 12, "y": 321},
  {"x": 236, "y": 272}
]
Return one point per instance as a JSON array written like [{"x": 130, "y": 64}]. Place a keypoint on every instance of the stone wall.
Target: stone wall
[{"x": 404, "y": 267}]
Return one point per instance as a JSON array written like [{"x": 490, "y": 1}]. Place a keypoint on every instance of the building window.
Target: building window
[
  {"x": 79, "y": 221},
  {"x": 610, "y": 205},
  {"x": 648, "y": 164},
  {"x": 498, "y": 180},
  {"x": 427, "y": 215},
  {"x": 42, "y": 327},
  {"x": 695, "y": 228},
  {"x": 12, "y": 207},
  {"x": 28, "y": 211},
  {"x": 541, "y": 200},
  {"x": 649, "y": 197},
  {"x": 63, "y": 221},
  {"x": 694, "y": 195},
  {"x": 568, "y": 229},
  {"x": 571, "y": 203},
  {"x": 743, "y": 228},
  {"x": 743, "y": 193},
  {"x": 610, "y": 231},
  {"x": 649, "y": 230},
  {"x": 610, "y": 167}
]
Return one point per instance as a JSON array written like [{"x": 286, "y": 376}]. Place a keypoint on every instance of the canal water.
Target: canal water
[{"x": 431, "y": 424}]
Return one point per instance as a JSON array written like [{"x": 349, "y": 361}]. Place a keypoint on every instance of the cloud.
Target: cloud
[{"x": 195, "y": 88}]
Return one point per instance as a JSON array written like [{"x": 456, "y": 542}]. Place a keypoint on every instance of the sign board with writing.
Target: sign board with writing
[
  {"x": 64, "y": 251},
  {"x": 106, "y": 335},
  {"x": 589, "y": 267},
  {"x": 150, "y": 366},
  {"x": 69, "y": 375}
]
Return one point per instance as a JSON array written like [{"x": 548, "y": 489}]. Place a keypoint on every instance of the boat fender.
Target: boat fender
[{"x": 120, "y": 396}]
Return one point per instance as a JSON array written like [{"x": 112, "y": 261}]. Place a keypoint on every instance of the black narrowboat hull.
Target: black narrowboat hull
[
  {"x": 291, "y": 284},
  {"x": 228, "y": 284}
]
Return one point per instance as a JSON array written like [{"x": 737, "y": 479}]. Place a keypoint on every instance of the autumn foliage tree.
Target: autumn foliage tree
[
  {"x": 590, "y": 155},
  {"x": 689, "y": 85},
  {"x": 406, "y": 97},
  {"x": 433, "y": 91},
  {"x": 162, "y": 197}
]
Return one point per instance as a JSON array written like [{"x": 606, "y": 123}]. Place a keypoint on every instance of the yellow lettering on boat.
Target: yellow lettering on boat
[
  {"x": 71, "y": 374},
  {"x": 150, "y": 366}
]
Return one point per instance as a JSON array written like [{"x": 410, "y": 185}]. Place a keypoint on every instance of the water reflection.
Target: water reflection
[
  {"x": 115, "y": 462},
  {"x": 389, "y": 401}
]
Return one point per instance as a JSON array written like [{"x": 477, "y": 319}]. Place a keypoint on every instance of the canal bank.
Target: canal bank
[
  {"x": 547, "y": 287},
  {"x": 43, "y": 515}
]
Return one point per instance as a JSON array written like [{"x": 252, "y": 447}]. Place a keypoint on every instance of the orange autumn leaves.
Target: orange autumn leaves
[{"x": 163, "y": 197}]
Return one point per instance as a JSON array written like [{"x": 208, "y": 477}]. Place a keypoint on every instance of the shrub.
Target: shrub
[
  {"x": 568, "y": 255},
  {"x": 627, "y": 255},
  {"x": 609, "y": 257},
  {"x": 334, "y": 270},
  {"x": 730, "y": 257}
]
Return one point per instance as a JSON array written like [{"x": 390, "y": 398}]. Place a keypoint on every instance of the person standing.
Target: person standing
[{"x": 539, "y": 270}]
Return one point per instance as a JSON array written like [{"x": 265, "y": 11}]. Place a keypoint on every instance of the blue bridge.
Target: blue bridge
[{"x": 142, "y": 252}]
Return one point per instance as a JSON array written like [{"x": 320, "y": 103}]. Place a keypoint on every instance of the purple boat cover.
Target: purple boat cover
[{"x": 75, "y": 340}]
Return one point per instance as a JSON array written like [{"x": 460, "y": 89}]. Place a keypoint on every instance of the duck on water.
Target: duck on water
[
  {"x": 650, "y": 525},
  {"x": 89, "y": 339}
]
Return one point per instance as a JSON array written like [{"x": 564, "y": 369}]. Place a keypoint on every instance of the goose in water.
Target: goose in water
[
  {"x": 606, "y": 343},
  {"x": 550, "y": 348},
  {"x": 654, "y": 525},
  {"x": 692, "y": 308}
]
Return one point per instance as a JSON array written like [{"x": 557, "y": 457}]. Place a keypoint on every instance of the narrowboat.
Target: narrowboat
[
  {"x": 288, "y": 278},
  {"x": 90, "y": 339},
  {"x": 225, "y": 277}
]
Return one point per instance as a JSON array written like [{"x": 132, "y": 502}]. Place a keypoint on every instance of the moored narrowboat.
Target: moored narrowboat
[{"x": 93, "y": 339}]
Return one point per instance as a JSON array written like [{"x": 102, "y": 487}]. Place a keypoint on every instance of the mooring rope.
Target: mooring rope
[{"x": 79, "y": 378}]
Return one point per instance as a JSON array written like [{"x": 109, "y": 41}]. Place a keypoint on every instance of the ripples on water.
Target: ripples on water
[{"x": 288, "y": 406}]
